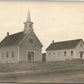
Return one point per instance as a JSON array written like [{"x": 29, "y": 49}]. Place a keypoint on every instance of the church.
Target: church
[{"x": 22, "y": 46}]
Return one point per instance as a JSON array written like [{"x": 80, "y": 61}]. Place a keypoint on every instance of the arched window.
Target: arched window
[
  {"x": 81, "y": 45},
  {"x": 30, "y": 25},
  {"x": 64, "y": 53},
  {"x": 58, "y": 53},
  {"x": 71, "y": 53},
  {"x": 54, "y": 53},
  {"x": 49, "y": 53},
  {"x": 6, "y": 54},
  {"x": 2, "y": 54},
  {"x": 30, "y": 40},
  {"x": 12, "y": 54}
]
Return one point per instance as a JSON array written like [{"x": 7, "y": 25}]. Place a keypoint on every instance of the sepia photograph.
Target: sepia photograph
[{"x": 41, "y": 42}]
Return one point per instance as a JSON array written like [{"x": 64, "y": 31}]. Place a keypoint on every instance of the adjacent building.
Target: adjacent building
[
  {"x": 65, "y": 50},
  {"x": 22, "y": 46}
]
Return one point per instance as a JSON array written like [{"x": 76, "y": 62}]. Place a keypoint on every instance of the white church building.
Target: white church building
[
  {"x": 22, "y": 46},
  {"x": 65, "y": 50}
]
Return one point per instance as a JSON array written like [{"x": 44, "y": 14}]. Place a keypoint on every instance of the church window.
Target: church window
[
  {"x": 7, "y": 54},
  {"x": 81, "y": 45},
  {"x": 58, "y": 53},
  {"x": 25, "y": 25},
  {"x": 71, "y": 53},
  {"x": 30, "y": 40},
  {"x": 2, "y": 54},
  {"x": 12, "y": 54},
  {"x": 30, "y": 25},
  {"x": 64, "y": 53},
  {"x": 49, "y": 53}
]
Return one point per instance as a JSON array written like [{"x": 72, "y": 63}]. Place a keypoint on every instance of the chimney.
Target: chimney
[
  {"x": 7, "y": 33},
  {"x": 52, "y": 41}
]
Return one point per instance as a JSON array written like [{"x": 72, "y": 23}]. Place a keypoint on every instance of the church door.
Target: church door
[{"x": 30, "y": 56}]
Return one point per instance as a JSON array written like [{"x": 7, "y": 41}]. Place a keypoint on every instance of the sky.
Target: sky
[{"x": 58, "y": 21}]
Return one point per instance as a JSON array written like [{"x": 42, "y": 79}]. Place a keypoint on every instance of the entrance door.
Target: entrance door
[
  {"x": 30, "y": 56},
  {"x": 81, "y": 54}
]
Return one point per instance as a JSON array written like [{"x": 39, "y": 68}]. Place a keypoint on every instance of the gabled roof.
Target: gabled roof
[
  {"x": 38, "y": 40},
  {"x": 63, "y": 45},
  {"x": 12, "y": 39},
  {"x": 34, "y": 36},
  {"x": 15, "y": 39}
]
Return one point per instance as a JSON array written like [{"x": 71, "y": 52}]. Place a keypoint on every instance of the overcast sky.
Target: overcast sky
[{"x": 56, "y": 21}]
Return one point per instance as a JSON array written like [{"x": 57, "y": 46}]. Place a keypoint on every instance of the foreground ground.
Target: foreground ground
[{"x": 52, "y": 72}]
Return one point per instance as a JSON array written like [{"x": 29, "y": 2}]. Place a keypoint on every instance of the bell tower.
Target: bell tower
[{"x": 28, "y": 25}]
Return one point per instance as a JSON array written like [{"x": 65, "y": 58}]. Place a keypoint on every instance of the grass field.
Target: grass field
[{"x": 49, "y": 72}]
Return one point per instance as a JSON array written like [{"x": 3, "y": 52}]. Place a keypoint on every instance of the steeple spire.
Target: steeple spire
[
  {"x": 28, "y": 16},
  {"x": 28, "y": 25}
]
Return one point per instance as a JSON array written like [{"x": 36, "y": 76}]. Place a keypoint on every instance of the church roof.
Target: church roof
[
  {"x": 15, "y": 39},
  {"x": 12, "y": 39},
  {"x": 63, "y": 45}
]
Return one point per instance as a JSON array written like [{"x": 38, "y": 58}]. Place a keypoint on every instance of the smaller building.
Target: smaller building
[{"x": 65, "y": 50}]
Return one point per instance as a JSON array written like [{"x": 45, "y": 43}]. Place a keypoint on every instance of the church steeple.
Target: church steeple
[
  {"x": 28, "y": 16},
  {"x": 28, "y": 25}
]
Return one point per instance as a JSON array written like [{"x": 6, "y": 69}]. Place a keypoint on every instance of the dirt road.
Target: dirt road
[{"x": 52, "y": 76}]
